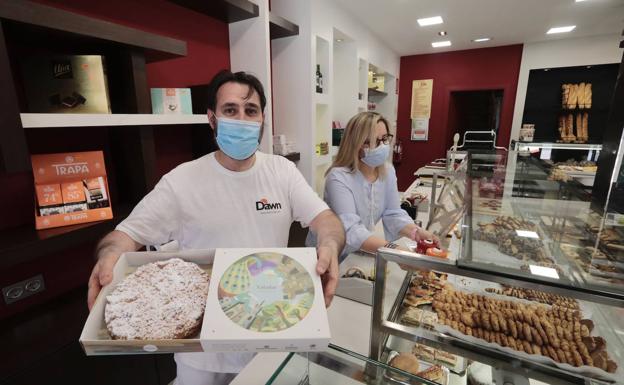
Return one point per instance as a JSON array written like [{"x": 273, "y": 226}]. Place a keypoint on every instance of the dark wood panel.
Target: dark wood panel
[
  {"x": 24, "y": 243},
  {"x": 229, "y": 11},
  {"x": 280, "y": 27},
  {"x": 14, "y": 156},
  {"x": 34, "y": 14},
  {"x": 44, "y": 349}
]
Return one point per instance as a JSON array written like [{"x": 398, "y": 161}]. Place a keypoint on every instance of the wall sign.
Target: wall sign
[
  {"x": 421, "y": 98},
  {"x": 420, "y": 129}
]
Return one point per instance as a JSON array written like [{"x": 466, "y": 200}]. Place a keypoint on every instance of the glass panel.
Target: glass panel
[
  {"x": 524, "y": 221},
  {"x": 340, "y": 366}
]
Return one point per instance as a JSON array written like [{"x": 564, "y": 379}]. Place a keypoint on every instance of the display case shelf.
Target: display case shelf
[
  {"x": 280, "y": 27},
  {"x": 32, "y": 120},
  {"x": 515, "y": 145}
]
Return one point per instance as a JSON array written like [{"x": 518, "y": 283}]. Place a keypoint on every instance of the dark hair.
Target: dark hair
[{"x": 226, "y": 76}]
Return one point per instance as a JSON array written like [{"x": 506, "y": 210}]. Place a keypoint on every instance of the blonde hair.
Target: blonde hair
[{"x": 360, "y": 128}]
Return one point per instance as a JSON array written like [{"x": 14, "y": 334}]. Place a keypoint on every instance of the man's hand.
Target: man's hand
[
  {"x": 330, "y": 241},
  {"x": 101, "y": 276},
  {"x": 107, "y": 253},
  {"x": 327, "y": 267}
]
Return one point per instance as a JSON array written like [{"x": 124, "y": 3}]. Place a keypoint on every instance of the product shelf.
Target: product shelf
[{"x": 40, "y": 120}]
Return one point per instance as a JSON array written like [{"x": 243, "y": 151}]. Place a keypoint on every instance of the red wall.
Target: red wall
[
  {"x": 477, "y": 69},
  {"x": 207, "y": 52}
]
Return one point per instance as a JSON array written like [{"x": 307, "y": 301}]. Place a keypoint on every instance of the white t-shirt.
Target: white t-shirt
[{"x": 203, "y": 205}]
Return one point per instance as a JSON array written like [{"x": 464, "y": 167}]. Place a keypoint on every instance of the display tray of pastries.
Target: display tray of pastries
[
  {"x": 514, "y": 237},
  {"x": 594, "y": 262},
  {"x": 556, "y": 335},
  {"x": 410, "y": 363}
]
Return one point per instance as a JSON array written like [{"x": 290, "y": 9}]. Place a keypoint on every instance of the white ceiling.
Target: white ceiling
[{"x": 506, "y": 21}]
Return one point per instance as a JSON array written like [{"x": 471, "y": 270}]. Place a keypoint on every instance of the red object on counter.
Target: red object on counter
[
  {"x": 435, "y": 252},
  {"x": 423, "y": 245}
]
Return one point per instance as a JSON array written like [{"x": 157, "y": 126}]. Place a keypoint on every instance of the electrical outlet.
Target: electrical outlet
[{"x": 23, "y": 289}]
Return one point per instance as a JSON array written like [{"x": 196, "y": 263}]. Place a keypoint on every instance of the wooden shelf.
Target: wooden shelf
[
  {"x": 280, "y": 27},
  {"x": 106, "y": 120},
  {"x": 43, "y": 22},
  {"x": 293, "y": 156},
  {"x": 374, "y": 92},
  {"x": 229, "y": 11},
  {"x": 24, "y": 243}
]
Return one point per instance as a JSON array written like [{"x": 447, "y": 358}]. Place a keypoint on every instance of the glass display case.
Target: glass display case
[
  {"x": 340, "y": 366},
  {"x": 537, "y": 289}
]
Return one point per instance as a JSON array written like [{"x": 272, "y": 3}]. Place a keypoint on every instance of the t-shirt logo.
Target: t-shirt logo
[{"x": 266, "y": 207}]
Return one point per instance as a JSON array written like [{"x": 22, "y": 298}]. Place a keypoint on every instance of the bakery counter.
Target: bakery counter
[{"x": 453, "y": 313}]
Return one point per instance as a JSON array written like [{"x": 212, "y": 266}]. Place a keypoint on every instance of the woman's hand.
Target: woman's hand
[{"x": 419, "y": 233}]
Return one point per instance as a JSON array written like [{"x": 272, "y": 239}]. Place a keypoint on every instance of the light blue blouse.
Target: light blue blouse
[{"x": 360, "y": 204}]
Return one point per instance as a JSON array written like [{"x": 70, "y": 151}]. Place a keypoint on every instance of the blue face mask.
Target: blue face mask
[
  {"x": 238, "y": 139},
  {"x": 375, "y": 157}
]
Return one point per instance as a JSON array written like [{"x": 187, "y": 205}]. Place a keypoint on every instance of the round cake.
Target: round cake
[{"x": 160, "y": 300}]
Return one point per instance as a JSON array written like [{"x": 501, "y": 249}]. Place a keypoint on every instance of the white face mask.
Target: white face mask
[{"x": 375, "y": 157}]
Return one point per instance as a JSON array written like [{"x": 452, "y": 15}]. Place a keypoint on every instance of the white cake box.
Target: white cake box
[
  {"x": 265, "y": 300},
  {"x": 95, "y": 339},
  {"x": 218, "y": 332}
]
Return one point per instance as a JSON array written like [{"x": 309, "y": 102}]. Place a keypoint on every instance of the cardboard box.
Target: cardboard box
[
  {"x": 218, "y": 332},
  {"x": 66, "y": 84},
  {"x": 95, "y": 339},
  {"x": 264, "y": 300},
  {"x": 171, "y": 101},
  {"x": 71, "y": 188}
]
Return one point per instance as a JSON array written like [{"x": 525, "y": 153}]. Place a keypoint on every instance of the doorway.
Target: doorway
[{"x": 473, "y": 110}]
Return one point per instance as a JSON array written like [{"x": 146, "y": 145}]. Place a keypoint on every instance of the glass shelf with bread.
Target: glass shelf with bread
[{"x": 537, "y": 289}]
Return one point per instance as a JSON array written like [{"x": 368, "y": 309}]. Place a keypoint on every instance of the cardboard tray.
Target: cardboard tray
[
  {"x": 218, "y": 333},
  {"x": 95, "y": 339}
]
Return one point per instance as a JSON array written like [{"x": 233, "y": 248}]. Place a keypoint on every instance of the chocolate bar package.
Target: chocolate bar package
[{"x": 66, "y": 84}]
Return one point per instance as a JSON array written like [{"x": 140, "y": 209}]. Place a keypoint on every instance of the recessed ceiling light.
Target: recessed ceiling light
[
  {"x": 338, "y": 40},
  {"x": 578, "y": 1},
  {"x": 442, "y": 33},
  {"x": 481, "y": 39},
  {"x": 430, "y": 21},
  {"x": 567, "y": 28},
  {"x": 437, "y": 44}
]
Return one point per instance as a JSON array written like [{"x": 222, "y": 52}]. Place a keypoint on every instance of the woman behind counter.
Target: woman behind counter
[{"x": 361, "y": 188}]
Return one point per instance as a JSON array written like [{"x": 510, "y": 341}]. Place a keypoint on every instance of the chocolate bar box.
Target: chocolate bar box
[{"x": 66, "y": 84}]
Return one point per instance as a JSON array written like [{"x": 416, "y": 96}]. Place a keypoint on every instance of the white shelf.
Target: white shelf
[
  {"x": 30, "y": 120},
  {"x": 321, "y": 98}
]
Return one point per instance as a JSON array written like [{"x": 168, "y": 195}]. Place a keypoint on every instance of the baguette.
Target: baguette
[
  {"x": 588, "y": 95},
  {"x": 573, "y": 96},
  {"x": 579, "y": 126},
  {"x": 565, "y": 93},
  {"x": 581, "y": 96}
]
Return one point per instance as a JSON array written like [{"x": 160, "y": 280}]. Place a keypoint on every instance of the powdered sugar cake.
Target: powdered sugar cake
[{"x": 160, "y": 300}]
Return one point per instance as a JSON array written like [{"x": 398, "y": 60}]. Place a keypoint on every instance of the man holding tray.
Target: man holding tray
[{"x": 234, "y": 197}]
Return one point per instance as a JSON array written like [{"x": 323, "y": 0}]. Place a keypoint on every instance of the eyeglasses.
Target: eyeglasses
[{"x": 386, "y": 139}]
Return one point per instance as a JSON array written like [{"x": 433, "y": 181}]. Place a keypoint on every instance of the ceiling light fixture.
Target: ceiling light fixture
[
  {"x": 430, "y": 21},
  {"x": 438, "y": 44},
  {"x": 565, "y": 29},
  {"x": 338, "y": 40},
  {"x": 481, "y": 39},
  {"x": 442, "y": 33},
  {"x": 579, "y": 1}
]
